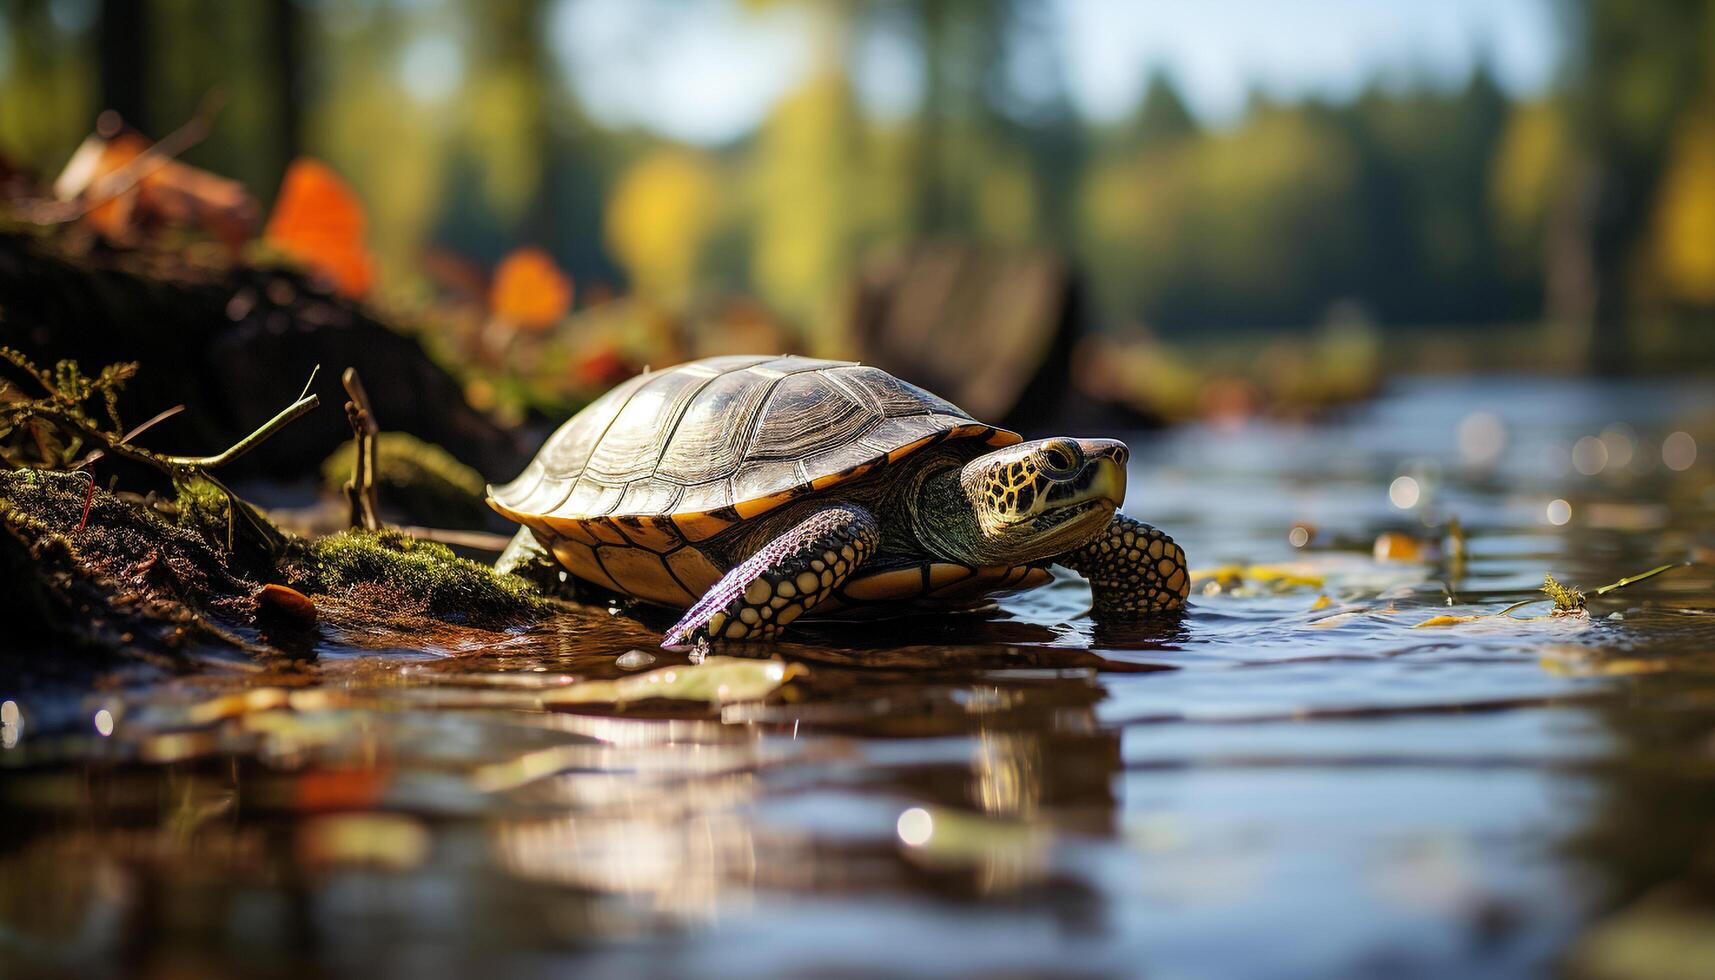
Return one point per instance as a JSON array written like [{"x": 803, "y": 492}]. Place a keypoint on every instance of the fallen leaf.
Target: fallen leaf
[
  {"x": 1448, "y": 620},
  {"x": 1394, "y": 546},
  {"x": 319, "y": 221},
  {"x": 717, "y": 680},
  {"x": 529, "y": 290}
]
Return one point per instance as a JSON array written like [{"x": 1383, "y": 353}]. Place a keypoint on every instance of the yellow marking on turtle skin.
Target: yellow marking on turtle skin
[
  {"x": 700, "y": 526},
  {"x": 1165, "y": 567},
  {"x": 758, "y": 592},
  {"x": 748, "y": 509},
  {"x": 749, "y": 615},
  {"x": 778, "y": 601},
  {"x": 647, "y": 533},
  {"x": 942, "y": 574},
  {"x": 642, "y": 573},
  {"x": 807, "y": 582},
  {"x": 574, "y": 529},
  {"x": 833, "y": 479},
  {"x": 717, "y": 621},
  {"x": 693, "y": 569},
  {"x": 787, "y": 590},
  {"x": 736, "y": 631},
  {"x": 579, "y": 559},
  {"x": 605, "y": 532}
]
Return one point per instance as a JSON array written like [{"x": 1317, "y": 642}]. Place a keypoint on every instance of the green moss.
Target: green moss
[
  {"x": 1566, "y": 599},
  {"x": 420, "y": 478},
  {"x": 446, "y": 585}
]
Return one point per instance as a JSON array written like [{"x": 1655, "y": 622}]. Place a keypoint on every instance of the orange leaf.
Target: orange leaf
[
  {"x": 603, "y": 369},
  {"x": 529, "y": 290},
  {"x": 319, "y": 221},
  {"x": 113, "y": 217}
]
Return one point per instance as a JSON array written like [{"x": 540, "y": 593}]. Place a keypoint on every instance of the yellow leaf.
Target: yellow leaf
[
  {"x": 717, "y": 680},
  {"x": 1447, "y": 620}
]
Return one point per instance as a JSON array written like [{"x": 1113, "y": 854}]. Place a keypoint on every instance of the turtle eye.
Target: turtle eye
[{"x": 1058, "y": 457}]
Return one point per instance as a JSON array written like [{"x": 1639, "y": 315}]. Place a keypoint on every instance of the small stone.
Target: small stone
[
  {"x": 285, "y": 603},
  {"x": 634, "y": 660}
]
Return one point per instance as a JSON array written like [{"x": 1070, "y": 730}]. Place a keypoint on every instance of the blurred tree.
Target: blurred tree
[
  {"x": 1684, "y": 219},
  {"x": 1161, "y": 118},
  {"x": 48, "y": 92},
  {"x": 660, "y": 213},
  {"x": 1639, "y": 70},
  {"x": 122, "y": 41}
]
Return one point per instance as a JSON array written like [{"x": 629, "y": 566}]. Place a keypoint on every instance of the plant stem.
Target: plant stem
[{"x": 251, "y": 441}]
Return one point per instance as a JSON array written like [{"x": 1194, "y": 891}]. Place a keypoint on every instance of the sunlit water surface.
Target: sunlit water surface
[{"x": 1292, "y": 781}]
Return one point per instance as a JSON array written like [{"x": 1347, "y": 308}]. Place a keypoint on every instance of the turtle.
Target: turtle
[{"x": 750, "y": 490}]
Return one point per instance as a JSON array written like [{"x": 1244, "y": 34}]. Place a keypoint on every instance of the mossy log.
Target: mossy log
[{"x": 232, "y": 343}]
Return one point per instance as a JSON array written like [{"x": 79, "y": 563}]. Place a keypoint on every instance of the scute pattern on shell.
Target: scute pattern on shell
[{"x": 737, "y": 435}]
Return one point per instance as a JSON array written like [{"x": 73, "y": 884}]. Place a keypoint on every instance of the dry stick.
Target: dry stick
[
  {"x": 360, "y": 489},
  {"x": 475, "y": 540}
]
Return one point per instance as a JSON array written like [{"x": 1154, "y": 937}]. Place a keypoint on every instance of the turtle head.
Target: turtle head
[{"x": 1026, "y": 502}]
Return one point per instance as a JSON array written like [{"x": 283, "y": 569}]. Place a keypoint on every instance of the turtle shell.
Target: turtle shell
[{"x": 675, "y": 457}]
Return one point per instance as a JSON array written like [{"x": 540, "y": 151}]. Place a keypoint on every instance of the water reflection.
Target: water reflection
[{"x": 1296, "y": 761}]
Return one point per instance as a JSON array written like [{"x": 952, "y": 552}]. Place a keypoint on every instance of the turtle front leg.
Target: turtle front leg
[
  {"x": 1132, "y": 569},
  {"x": 786, "y": 578}
]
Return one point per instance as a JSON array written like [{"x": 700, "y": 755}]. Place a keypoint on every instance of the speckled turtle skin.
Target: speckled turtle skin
[{"x": 670, "y": 483}]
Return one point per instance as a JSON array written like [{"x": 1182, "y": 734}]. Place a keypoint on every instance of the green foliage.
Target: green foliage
[
  {"x": 1566, "y": 599},
  {"x": 430, "y": 574},
  {"x": 89, "y": 408}
]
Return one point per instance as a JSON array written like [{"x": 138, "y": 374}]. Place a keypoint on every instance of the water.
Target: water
[{"x": 1289, "y": 782}]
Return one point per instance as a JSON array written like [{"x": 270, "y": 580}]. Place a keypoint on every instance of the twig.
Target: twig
[
  {"x": 360, "y": 489},
  {"x": 476, "y": 540},
  {"x": 137, "y": 169},
  {"x": 251, "y": 441}
]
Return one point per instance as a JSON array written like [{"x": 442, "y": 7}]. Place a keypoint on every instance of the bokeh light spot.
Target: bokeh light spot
[
  {"x": 1404, "y": 492},
  {"x": 1679, "y": 451},
  {"x": 1589, "y": 455},
  {"x": 916, "y": 826},
  {"x": 1482, "y": 437},
  {"x": 1559, "y": 512}
]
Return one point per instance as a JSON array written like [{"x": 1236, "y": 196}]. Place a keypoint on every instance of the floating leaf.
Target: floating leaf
[
  {"x": 1450, "y": 620},
  {"x": 319, "y": 221},
  {"x": 1394, "y": 546},
  {"x": 529, "y": 290},
  {"x": 717, "y": 680},
  {"x": 1275, "y": 576}
]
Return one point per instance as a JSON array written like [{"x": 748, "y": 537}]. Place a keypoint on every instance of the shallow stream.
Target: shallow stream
[{"x": 1294, "y": 780}]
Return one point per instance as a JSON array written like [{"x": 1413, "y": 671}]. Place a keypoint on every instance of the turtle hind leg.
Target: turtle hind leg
[
  {"x": 786, "y": 578},
  {"x": 1132, "y": 568}
]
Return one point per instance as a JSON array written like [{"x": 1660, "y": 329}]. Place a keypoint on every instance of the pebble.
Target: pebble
[
  {"x": 285, "y": 602},
  {"x": 634, "y": 660}
]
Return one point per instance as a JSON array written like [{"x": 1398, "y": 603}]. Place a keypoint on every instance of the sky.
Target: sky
[{"x": 706, "y": 71}]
